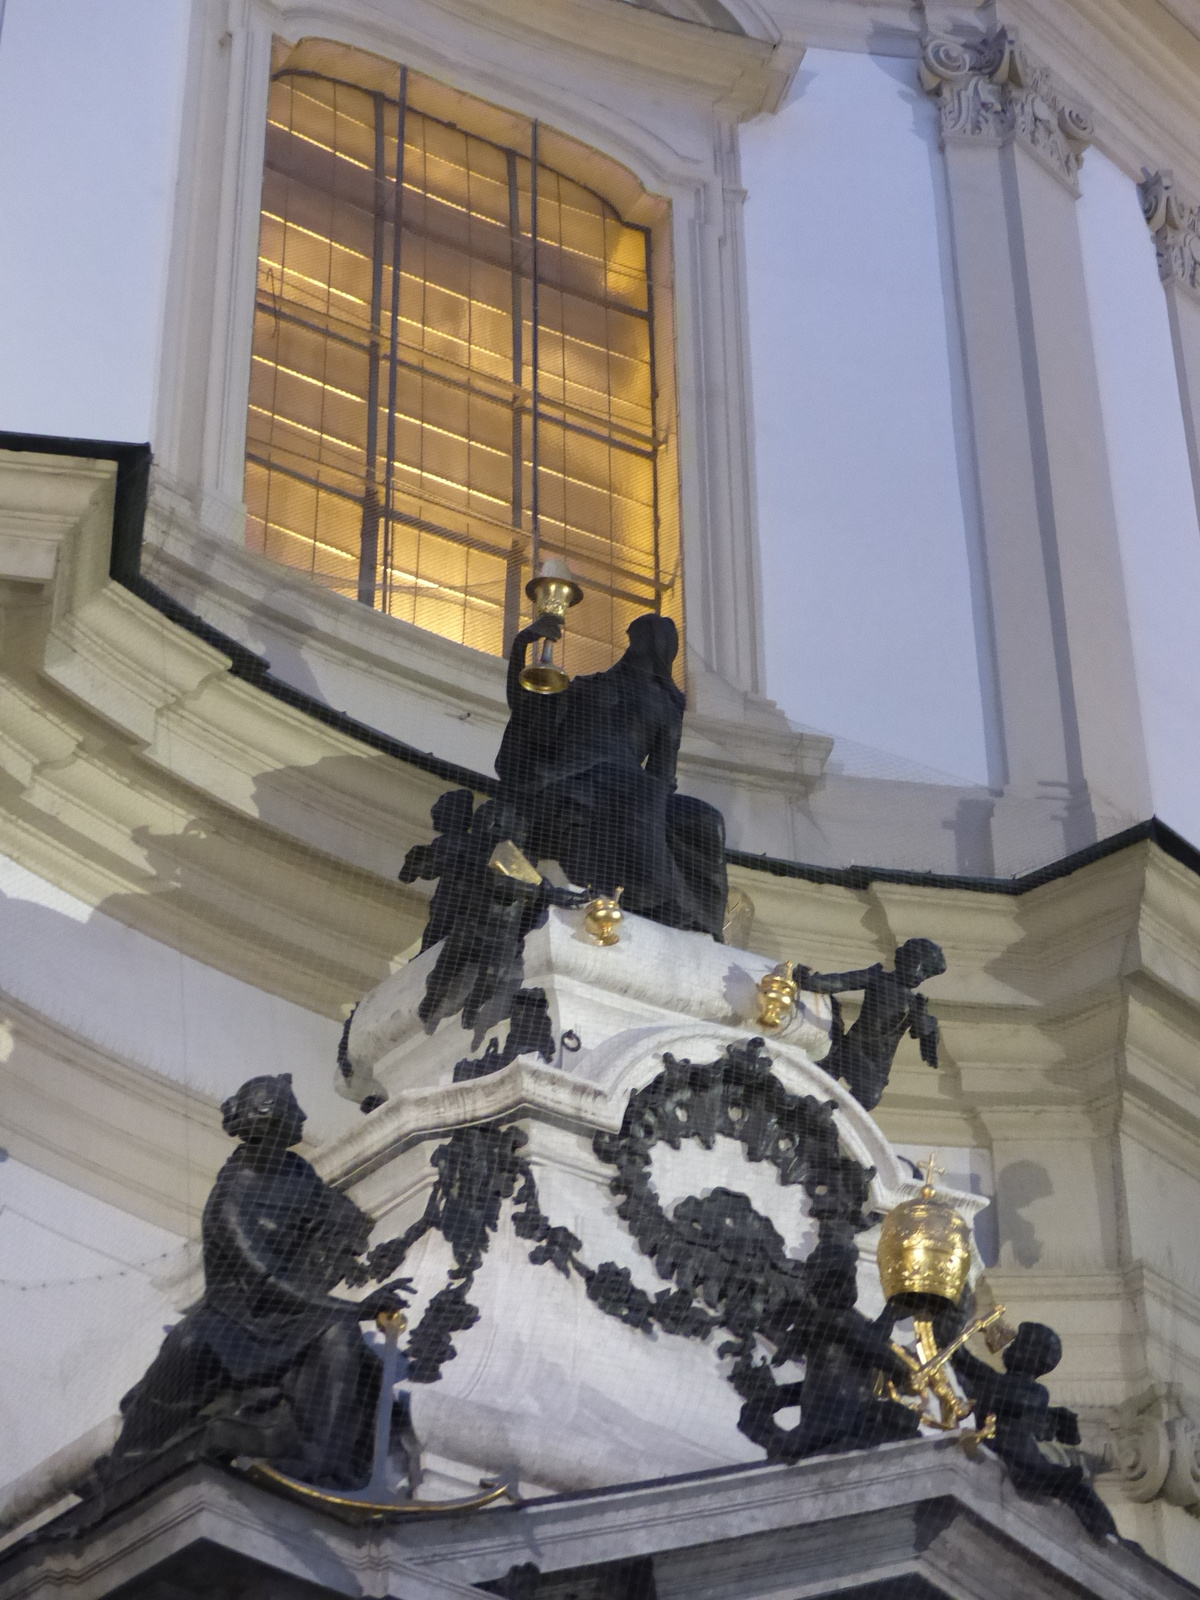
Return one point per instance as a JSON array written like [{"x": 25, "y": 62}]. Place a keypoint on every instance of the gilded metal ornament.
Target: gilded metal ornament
[
  {"x": 924, "y": 1260},
  {"x": 778, "y": 992},
  {"x": 929, "y": 1381},
  {"x": 604, "y": 917},
  {"x": 510, "y": 861},
  {"x": 553, "y": 592},
  {"x": 924, "y": 1253},
  {"x": 369, "y": 1510}
]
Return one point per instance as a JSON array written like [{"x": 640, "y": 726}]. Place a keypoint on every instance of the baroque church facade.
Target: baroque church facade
[{"x": 853, "y": 346}]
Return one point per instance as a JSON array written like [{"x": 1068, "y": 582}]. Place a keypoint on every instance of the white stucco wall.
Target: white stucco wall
[
  {"x": 90, "y": 101},
  {"x": 1151, "y": 478},
  {"x": 83, "y": 1305},
  {"x": 150, "y": 1004},
  {"x": 868, "y": 610}
]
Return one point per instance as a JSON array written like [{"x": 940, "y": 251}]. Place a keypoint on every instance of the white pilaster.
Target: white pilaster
[
  {"x": 204, "y": 386},
  {"x": 1175, "y": 223},
  {"x": 1068, "y": 709}
]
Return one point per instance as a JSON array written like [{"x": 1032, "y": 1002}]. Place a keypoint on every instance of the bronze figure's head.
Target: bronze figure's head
[{"x": 264, "y": 1112}]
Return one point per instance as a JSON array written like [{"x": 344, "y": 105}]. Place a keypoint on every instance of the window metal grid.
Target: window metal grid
[{"x": 453, "y": 373}]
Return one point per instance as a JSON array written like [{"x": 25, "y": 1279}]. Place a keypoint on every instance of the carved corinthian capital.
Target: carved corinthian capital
[
  {"x": 1175, "y": 224},
  {"x": 990, "y": 89}
]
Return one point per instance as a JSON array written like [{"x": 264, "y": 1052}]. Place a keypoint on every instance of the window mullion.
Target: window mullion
[
  {"x": 534, "y": 353},
  {"x": 368, "y": 557},
  {"x": 393, "y": 352},
  {"x": 658, "y": 572},
  {"x": 512, "y": 575}
]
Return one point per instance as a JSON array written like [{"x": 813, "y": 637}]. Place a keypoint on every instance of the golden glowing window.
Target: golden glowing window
[{"x": 454, "y": 369}]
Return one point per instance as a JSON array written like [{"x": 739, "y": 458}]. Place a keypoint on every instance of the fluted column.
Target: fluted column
[
  {"x": 1071, "y": 755},
  {"x": 1174, "y": 220}
]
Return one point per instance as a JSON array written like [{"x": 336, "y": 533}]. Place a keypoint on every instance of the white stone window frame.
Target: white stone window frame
[{"x": 662, "y": 98}]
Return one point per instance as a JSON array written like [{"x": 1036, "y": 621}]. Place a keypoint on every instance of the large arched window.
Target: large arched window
[{"x": 436, "y": 404}]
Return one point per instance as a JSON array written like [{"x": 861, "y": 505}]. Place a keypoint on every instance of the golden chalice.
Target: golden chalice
[{"x": 553, "y": 592}]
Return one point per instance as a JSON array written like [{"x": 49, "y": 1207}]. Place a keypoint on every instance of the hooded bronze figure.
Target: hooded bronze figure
[{"x": 594, "y": 771}]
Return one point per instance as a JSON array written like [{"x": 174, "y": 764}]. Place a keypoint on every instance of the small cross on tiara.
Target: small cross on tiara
[{"x": 931, "y": 1166}]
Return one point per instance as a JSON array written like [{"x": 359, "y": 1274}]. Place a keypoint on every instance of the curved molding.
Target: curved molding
[
  {"x": 735, "y": 67},
  {"x": 527, "y": 1087},
  {"x": 637, "y": 1063},
  {"x": 147, "y": 781}
]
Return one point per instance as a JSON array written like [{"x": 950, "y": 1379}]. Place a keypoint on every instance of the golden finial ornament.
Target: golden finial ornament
[
  {"x": 778, "y": 992},
  {"x": 553, "y": 591},
  {"x": 604, "y": 917},
  {"x": 924, "y": 1252}
]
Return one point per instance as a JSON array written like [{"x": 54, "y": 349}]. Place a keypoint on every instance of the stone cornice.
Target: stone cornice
[
  {"x": 1174, "y": 221},
  {"x": 42, "y": 509},
  {"x": 713, "y": 1532},
  {"x": 144, "y": 779},
  {"x": 991, "y": 90},
  {"x": 187, "y": 728},
  {"x": 1186, "y": 12}
]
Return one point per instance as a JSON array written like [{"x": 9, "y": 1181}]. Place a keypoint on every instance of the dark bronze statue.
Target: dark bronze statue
[
  {"x": 1023, "y": 1417},
  {"x": 268, "y": 1363},
  {"x": 593, "y": 772},
  {"x": 864, "y": 1053},
  {"x": 479, "y": 966},
  {"x": 587, "y": 779},
  {"x": 446, "y": 859},
  {"x": 843, "y": 1353}
]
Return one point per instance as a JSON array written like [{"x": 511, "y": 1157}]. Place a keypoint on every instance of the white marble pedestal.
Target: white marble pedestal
[{"x": 546, "y": 1387}]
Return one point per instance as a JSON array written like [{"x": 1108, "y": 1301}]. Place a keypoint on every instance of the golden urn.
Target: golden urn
[
  {"x": 924, "y": 1254},
  {"x": 604, "y": 917}
]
